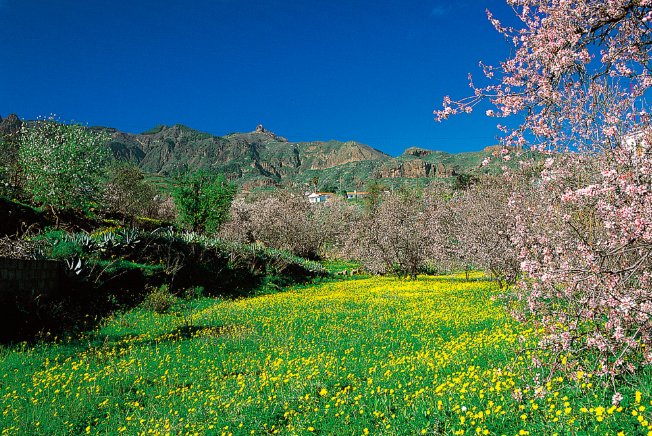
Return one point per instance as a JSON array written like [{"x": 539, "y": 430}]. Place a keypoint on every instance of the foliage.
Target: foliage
[
  {"x": 159, "y": 300},
  {"x": 9, "y": 169},
  {"x": 10, "y": 183},
  {"x": 578, "y": 76},
  {"x": 129, "y": 193},
  {"x": 203, "y": 200},
  {"x": 375, "y": 191},
  {"x": 185, "y": 259},
  {"x": 464, "y": 181},
  {"x": 477, "y": 228},
  {"x": 62, "y": 164},
  {"x": 340, "y": 266},
  {"x": 287, "y": 221},
  {"x": 432, "y": 356},
  {"x": 586, "y": 246},
  {"x": 395, "y": 235}
]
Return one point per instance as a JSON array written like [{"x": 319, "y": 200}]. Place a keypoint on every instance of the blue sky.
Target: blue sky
[{"x": 370, "y": 71}]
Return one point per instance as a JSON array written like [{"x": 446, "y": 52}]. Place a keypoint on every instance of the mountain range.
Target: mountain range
[{"x": 262, "y": 158}]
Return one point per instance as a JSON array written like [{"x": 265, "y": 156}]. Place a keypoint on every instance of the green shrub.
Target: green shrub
[
  {"x": 160, "y": 300},
  {"x": 59, "y": 245},
  {"x": 129, "y": 193},
  {"x": 194, "y": 292},
  {"x": 203, "y": 200}
]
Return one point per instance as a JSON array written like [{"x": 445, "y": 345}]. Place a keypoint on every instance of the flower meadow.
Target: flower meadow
[{"x": 436, "y": 355}]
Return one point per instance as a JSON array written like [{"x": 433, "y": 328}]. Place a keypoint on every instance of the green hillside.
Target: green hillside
[{"x": 263, "y": 159}]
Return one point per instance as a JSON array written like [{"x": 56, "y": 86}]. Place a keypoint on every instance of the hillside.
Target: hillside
[
  {"x": 262, "y": 158},
  {"x": 257, "y": 158}
]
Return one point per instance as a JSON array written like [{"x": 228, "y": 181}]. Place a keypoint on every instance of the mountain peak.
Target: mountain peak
[{"x": 260, "y": 130}]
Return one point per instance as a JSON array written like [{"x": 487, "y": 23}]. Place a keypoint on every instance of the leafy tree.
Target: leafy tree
[
  {"x": 128, "y": 192},
  {"x": 314, "y": 181},
  {"x": 375, "y": 191},
  {"x": 63, "y": 164},
  {"x": 203, "y": 200}
]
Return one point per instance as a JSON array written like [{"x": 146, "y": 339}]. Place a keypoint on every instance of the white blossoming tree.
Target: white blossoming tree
[{"x": 63, "y": 164}]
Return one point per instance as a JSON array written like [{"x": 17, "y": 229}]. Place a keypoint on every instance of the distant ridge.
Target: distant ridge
[{"x": 262, "y": 158}]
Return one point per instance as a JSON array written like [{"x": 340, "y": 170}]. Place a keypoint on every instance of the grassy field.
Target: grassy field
[{"x": 372, "y": 356}]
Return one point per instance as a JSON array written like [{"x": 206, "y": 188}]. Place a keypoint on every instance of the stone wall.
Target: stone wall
[{"x": 18, "y": 275}]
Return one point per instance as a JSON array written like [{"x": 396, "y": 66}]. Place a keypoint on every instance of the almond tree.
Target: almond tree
[
  {"x": 396, "y": 236},
  {"x": 479, "y": 227},
  {"x": 284, "y": 220},
  {"x": 577, "y": 81}
]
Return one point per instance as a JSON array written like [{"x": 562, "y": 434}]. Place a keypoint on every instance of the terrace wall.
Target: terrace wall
[{"x": 20, "y": 275}]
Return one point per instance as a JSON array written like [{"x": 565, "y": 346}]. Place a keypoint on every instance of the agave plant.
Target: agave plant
[
  {"x": 84, "y": 240},
  {"x": 106, "y": 241},
  {"x": 128, "y": 237},
  {"x": 74, "y": 266}
]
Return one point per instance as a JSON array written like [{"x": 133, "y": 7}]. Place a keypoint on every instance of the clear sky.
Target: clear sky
[{"x": 370, "y": 71}]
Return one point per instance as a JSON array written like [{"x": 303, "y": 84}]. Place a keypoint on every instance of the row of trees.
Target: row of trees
[{"x": 403, "y": 232}]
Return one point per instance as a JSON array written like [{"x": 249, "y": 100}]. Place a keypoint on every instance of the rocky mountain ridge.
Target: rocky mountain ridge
[{"x": 263, "y": 158}]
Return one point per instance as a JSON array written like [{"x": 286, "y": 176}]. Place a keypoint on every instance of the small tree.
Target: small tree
[
  {"x": 396, "y": 235},
  {"x": 203, "y": 200},
  {"x": 129, "y": 193},
  {"x": 480, "y": 228},
  {"x": 62, "y": 164},
  {"x": 283, "y": 220}
]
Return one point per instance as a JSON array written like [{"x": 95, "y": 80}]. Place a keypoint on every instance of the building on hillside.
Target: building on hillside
[
  {"x": 319, "y": 197},
  {"x": 356, "y": 195}
]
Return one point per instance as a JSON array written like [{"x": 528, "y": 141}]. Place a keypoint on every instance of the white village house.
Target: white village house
[
  {"x": 319, "y": 197},
  {"x": 323, "y": 197}
]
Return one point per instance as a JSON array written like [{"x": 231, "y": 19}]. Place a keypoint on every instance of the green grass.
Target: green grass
[
  {"x": 335, "y": 266},
  {"x": 376, "y": 355}
]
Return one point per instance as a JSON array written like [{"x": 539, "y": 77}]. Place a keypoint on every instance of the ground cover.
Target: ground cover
[{"x": 369, "y": 356}]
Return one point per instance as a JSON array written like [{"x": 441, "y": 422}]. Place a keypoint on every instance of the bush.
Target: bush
[
  {"x": 129, "y": 194},
  {"x": 160, "y": 300},
  {"x": 203, "y": 201},
  {"x": 59, "y": 245}
]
